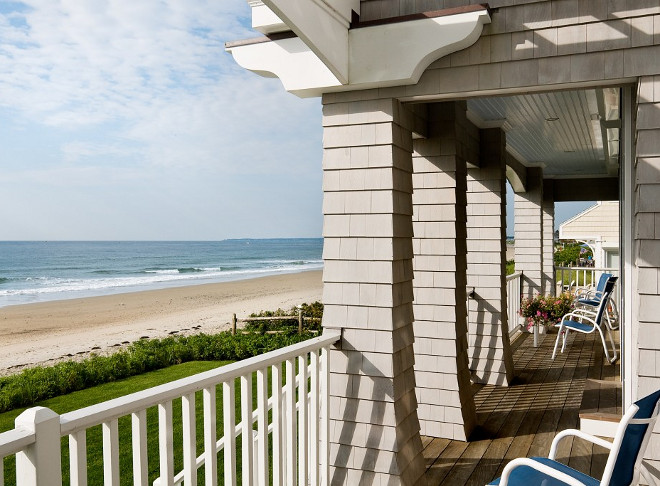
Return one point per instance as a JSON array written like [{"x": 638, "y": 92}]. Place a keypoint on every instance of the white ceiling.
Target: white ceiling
[{"x": 559, "y": 131}]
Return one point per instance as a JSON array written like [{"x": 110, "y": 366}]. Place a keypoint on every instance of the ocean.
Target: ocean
[{"x": 43, "y": 271}]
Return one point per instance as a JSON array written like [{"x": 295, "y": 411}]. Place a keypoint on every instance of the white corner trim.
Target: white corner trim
[
  {"x": 290, "y": 60},
  {"x": 328, "y": 57}
]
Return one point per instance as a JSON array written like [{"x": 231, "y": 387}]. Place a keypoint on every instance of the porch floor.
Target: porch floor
[{"x": 521, "y": 420}]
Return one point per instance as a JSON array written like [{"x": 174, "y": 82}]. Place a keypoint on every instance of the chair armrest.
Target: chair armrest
[
  {"x": 524, "y": 461},
  {"x": 580, "y": 315},
  {"x": 576, "y": 433}
]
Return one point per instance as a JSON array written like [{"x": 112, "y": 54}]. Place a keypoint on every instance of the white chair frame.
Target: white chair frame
[{"x": 613, "y": 447}]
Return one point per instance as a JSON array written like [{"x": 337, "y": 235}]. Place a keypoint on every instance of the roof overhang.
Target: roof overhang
[{"x": 324, "y": 52}]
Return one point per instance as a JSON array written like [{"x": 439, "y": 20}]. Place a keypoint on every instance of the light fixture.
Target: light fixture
[{"x": 552, "y": 119}]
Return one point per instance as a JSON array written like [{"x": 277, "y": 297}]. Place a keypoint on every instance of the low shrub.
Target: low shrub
[
  {"x": 313, "y": 311},
  {"x": 40, "y": 383}
]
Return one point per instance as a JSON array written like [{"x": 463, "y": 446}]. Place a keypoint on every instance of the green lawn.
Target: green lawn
[{"x": 111, "y": 390}]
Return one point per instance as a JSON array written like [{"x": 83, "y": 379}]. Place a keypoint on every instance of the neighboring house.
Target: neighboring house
[{"x": 598, "y": 227}]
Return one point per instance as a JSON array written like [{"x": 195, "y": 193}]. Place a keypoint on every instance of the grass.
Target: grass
[{"x": 97, "y": 394}]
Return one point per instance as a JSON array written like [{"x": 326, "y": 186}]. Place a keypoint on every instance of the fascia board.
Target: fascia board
[
  {"x": 290, "y": 60},
  {"x": 321, "y": 27}
]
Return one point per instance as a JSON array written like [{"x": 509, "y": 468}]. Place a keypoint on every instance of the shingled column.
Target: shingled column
[
  {"x": 446, "y": 406},
  {"x": 491, "y": 361},
  {"x": 529, "y": 233},
  {"x": 548, "y": 239},
  {"x": 368, "y": 292}
]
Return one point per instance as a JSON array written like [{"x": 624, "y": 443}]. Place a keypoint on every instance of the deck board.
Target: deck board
[{"x": 522, "y": 419}]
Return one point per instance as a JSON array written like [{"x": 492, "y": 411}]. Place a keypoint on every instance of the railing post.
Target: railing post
[{"x": 40, "y": 463}]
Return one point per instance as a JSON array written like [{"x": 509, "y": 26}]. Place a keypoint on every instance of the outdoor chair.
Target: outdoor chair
[
  {"x": 587, "y": 321},
  {"x": 624, "y": 463},
  {"x": 590, "y": 298}
]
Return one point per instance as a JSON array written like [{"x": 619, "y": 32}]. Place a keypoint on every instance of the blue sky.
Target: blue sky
[{"x": 127, "y": 120}]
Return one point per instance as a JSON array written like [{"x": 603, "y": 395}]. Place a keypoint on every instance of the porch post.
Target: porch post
[
  {"x": 549, "y": 286},
  {"x": 491, "y": 360},
  {"x": 446, "y": 406},
  {"x": 367, "y": 186},
  {"x": 529, "y": 233}
]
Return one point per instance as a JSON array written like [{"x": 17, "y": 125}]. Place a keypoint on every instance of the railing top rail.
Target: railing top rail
[
  {"x": 589, "y": 269},
  {"x": 513, "y": 276},
  {"x": 15, "y": 440},
  {"x": 102, "y": 412}
]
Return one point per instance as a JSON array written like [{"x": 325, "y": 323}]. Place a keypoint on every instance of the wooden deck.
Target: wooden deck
[{"x": 521, "y": 420}]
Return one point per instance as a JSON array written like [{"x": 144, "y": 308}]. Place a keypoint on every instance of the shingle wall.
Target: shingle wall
[
  {"x": 646, "y": 232},
  {"x": 528, "y": 234},
  {"x": 367, "y": 206},
  {"x": 488, "y": 335},
  {"x": 446, "y": 407},
  {"x": 530, "y": 43},
  {"x": 548, "y": 217}
]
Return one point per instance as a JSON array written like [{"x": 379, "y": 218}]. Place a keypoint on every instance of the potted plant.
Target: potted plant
[{"x": 545, "y": 310}]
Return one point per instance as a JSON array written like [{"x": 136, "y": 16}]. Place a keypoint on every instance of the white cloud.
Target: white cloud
[
  {"x": 123, "y": 115},
  {"x": 158, "y": 72}
]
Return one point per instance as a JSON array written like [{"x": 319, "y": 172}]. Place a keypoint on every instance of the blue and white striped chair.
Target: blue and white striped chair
[
  {"x": 587, "y": 321},
  {"x": 624, "y": 464}
]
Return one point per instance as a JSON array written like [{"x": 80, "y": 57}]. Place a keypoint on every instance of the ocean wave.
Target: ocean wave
[
  {"x": 4, "y": 280},
  {"x": 153, "y": 278}
]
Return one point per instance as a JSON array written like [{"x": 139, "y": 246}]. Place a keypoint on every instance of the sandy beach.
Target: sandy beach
[{"x": 47, "y": 332}]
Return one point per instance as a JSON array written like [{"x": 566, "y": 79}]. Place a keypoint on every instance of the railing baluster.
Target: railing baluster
[
  {"x": 189, "y": 439},
  {"x": 111, "y": 453},
  {"x": 291, "y": 442},
  {"x": 276, "y": 439},
  {"x": 165, "y": 444},
  {"x": 325, "y": 416},
  {"x": 229, "y": 419},
  {"x": 139, "y": 440},
  {"x": 77, "y": 458},
  {"x": 262, "y": 448},
  {"x": 210, "y": 454},
  {"x": 314, "y": 419},
  {"x": 303, "y": 418},
  {"x": 246, "y": 429},
  {"x": 294, "y": 433}
]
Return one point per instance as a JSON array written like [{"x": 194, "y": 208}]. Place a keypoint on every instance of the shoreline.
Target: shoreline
[{"x": 43, "y": 333}]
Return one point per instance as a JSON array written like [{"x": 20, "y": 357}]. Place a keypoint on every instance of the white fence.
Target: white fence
[
  {"x": 290, "y": 438},
  {"x": 513, "y": 291}
]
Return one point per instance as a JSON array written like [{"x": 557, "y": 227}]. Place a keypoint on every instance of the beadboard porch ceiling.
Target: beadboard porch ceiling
[{"x": 567, "y": 133}]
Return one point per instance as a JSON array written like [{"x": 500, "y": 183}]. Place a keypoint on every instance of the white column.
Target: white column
[
  {"x": 490, "y": 356},
  {"x": 446, "y": 406},
  {"x": 368, "y": 292}
]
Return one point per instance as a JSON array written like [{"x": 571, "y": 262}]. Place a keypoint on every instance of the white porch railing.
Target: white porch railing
[
  {"x": 575, "y": 278},
  {"x": 294, "y": 434},
  {"x": 513, "y": 291}
]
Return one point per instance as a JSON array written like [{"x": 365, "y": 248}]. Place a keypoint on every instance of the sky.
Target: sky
[{"x": 127, "y": 120}]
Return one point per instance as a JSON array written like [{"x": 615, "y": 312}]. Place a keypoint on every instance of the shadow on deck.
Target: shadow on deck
[{"x": 521, "y": 420}]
